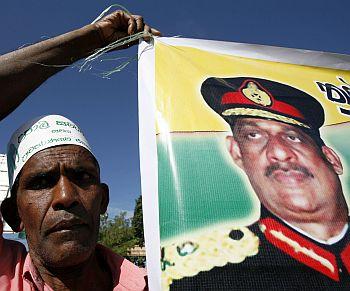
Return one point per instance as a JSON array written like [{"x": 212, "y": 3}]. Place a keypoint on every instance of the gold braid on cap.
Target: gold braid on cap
[{"x": 262, "y": 113}]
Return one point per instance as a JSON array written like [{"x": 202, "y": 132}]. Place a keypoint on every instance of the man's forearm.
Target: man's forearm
[{"x": 22, "y": 71}]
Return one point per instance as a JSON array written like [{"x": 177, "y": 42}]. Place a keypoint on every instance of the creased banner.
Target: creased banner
[{"x": 244, "y": 164}]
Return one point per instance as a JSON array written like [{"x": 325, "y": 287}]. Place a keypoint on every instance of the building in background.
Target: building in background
[{"x": 4, "y": 185}]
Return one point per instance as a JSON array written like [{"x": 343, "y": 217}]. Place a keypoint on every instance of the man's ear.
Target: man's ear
[
  {"x": 105, "y": 198},
  {"x": 10, "y": 214},
  {"x": 333, "y": 159},
  {"x": 234, "y": 151}
]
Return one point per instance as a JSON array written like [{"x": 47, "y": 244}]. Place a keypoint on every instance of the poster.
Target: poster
[{"x": 244, "y": 164}]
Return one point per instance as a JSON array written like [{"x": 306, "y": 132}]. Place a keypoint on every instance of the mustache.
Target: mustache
[{"x": 287, "y": 167}]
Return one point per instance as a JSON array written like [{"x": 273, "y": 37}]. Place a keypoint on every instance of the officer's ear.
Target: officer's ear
[
  {"x": 10, "y": 214},
  {"x": 234, "y": 151},
  {"x": 333, "y": 159},
  {"x": 105, "y": 198}
]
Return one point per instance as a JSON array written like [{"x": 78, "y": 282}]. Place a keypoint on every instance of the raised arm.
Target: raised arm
[{"x": 24, "y": 70}]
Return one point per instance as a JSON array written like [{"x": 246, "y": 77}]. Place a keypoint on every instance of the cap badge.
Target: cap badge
[{"x": 255, "y": 94}]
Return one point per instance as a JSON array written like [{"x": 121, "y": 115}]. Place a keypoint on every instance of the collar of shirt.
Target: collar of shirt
[
  {"x": 125, "y": 275},
  {"x": 32, "y": 276}
]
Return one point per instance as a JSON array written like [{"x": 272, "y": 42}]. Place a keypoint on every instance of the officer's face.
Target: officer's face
[
  {"x": 59, "y": 200},
  {"x": 290, "y": 174}
]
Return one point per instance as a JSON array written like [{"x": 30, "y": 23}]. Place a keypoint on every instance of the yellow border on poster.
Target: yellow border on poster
[{"x": 181, "y": 70}]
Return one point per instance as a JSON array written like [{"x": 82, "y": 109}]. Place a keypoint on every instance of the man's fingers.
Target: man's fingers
[
  {"x": 131, "y": 25},
  {"x": 156, "y": 32},
  {"x": 141, "y": 26},
  {"x": 139, "y": 23},
  {"x": 147, "y": 32},
  {"x": 120, "y": 24}
]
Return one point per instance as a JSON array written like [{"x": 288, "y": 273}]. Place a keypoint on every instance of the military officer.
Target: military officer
[{"x": 301, "y": 239}]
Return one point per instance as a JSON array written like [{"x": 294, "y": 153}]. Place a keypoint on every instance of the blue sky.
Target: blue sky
[{"x": 107, "y": 109}]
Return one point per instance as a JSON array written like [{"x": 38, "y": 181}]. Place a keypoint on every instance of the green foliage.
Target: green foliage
[
  {"x": 121, "y": 233},
  {"x": 137, "y": 222},
  {"x": 117, "y": 234}
]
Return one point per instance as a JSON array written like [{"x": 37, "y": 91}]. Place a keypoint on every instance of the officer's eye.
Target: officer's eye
[
  {"x": 293, "y": 138},
  {"x": 254, "y": 135}
]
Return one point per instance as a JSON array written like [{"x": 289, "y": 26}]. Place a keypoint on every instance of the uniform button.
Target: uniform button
[{"x": 236, "y": 234}]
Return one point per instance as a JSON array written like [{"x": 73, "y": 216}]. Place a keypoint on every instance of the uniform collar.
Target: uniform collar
[
  {"x": 320, "y": 257},
  {"x": 332, "y": 240}
]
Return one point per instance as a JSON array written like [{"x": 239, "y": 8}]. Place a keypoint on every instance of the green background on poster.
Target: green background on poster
[{"x": 199, "y": 185}]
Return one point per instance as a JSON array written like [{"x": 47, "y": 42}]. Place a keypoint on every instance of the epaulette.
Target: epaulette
[{"x": 186, "y": 257}]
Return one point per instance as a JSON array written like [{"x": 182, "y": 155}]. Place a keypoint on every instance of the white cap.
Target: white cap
[{"x": 38, "y": 134}]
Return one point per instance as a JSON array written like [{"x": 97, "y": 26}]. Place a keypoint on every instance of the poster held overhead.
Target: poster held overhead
[{"x": 244, "y": 160}]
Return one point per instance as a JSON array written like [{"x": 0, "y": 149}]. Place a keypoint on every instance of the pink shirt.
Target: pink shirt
[
  {"x": 12, "y": 256},
  {"x": 126, "y": 276},
  {"x": 17, "y": 271}
]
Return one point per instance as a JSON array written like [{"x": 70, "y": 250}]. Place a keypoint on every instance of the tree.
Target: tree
[
  {"x": 117, "y": 234},
  {"x": 121, "y": 234},
  {"x": 137, "y": 222}
]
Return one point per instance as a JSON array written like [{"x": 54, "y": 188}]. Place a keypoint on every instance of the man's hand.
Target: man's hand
[
  {"x": 120, "y": 24},
  {"x": 22, "y": 71}
]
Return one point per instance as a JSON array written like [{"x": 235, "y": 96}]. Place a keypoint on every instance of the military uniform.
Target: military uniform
[
  {"x": 286, "y": 260},
  {"x": 269, "y": 254}
]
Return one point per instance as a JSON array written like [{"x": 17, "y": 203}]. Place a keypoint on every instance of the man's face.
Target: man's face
[
  {"x": 290, "y": 174},
  {"x": 60, "y": 199}
]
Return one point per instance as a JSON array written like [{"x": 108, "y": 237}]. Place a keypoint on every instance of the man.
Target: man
[
  {"x": 303, "y": 237},
  {"x": 56, "y": 193},
  {"x": 57, "y": 197}
]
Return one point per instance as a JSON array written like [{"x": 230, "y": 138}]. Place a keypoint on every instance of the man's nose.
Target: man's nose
[
  {"x": 278, "y": 150},
  {"x": 65, "y": 194}
]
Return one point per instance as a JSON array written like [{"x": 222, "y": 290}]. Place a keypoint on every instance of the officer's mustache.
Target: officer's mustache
[{"x": 287, "y": 167}]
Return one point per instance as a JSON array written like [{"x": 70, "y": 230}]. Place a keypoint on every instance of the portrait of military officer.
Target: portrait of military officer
[{"x": 302, "y": 236}]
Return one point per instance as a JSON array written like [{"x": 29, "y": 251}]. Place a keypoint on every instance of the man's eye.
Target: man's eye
[
  {"x": 253, "y": 135},
  {"x": 293, "y": 138},
  {"x": 82, "y": 177},
  {"x": 41, "y": 182}
]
